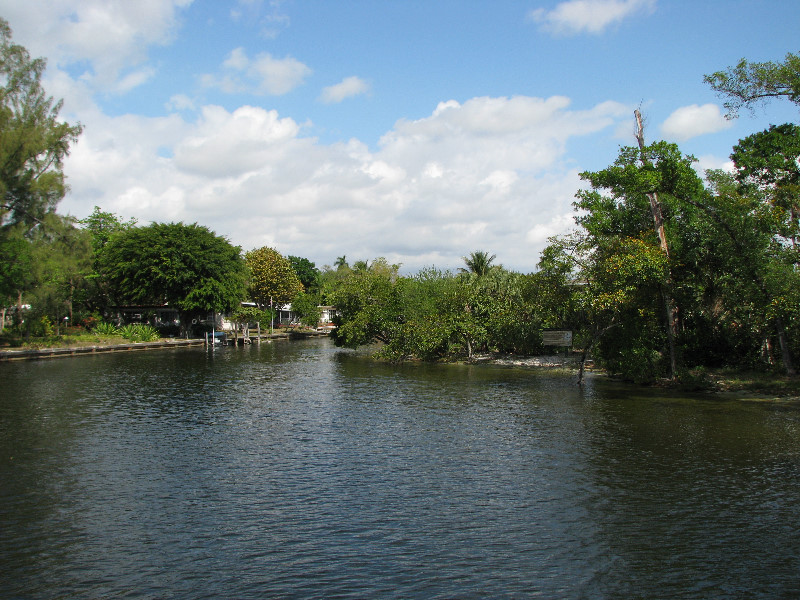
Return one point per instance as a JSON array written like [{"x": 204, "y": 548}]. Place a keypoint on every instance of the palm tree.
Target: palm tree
[
  {"x": 478, "y": 262},
  {"x": 341, "y": 263}
]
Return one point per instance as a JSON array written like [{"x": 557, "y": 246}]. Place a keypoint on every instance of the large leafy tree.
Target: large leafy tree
[
  {"x": 272, "y": 278},
  {"x": 750, "y": 268},
  {"x": 768, "y": 162},
  {"x": 33, "y": 142},
  {"x": 61, "y": 261},
  {"x": 306, "y": 271},
  {"x": 187, "y": 267},
  {"x": 728, "y": 267},
  {"x": 639, "y": 197},
  {"x": 15, "y": 270},
  {"x": 749, "y": 83},
  {"x": 367, "y": 306},
  {"x": 101, "y": 226}
]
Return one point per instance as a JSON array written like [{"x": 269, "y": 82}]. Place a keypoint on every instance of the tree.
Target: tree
[
  {"x": 306, "y": 308},
  {"x": 15, "y": 270},
  {"x": 749, "y": 83},
  {"x": 646, "y": 185},
  {"x": 366, "y": 306},
  {"x": 272, "y": 278},
  {"x": 768, "y": 161},
  {"x": 479, "y": 263},
  {"x": 187, "y": 267},
  {"x": 759, "y": 282},
  {"x": 306, "y": 271},
  {"x": 341, "y": 263},
  {"x": 62, "y": 260},
  {"x": 33, "y": 143},
  {"x": 434, "y": 315},
  {"x": 101, "y": 226}
]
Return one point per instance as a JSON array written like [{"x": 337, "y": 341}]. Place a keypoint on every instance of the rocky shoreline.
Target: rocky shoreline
[{"x": 553, "y": 361}]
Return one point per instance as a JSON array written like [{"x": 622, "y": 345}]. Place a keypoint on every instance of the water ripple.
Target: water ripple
[{"x": 301, "y": 471}]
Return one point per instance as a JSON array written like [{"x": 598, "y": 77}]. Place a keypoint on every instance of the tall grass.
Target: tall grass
[
  {"x": 135, "y": 332},
  {"x": 104, "y": 328},
  {"x": 139, "y": 332}
]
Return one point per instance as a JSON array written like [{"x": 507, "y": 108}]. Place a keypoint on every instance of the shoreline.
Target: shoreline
[
  {"x": 7, "y": 355},
  {"x": 14, "y": 354}
]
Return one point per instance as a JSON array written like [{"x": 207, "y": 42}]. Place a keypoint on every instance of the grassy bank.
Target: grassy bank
[
  {"x": 72, "y": 338},
  {"x": 746, "y": 382}
]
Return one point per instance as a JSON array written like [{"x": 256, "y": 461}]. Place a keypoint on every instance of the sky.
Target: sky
[{"x": 415, "y": 130}]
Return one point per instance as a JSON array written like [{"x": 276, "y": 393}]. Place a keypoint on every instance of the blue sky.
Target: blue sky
[{"x": 419, "y": 130}]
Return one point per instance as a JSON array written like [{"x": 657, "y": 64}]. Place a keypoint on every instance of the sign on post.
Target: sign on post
[{"x": 557, "y": 338}]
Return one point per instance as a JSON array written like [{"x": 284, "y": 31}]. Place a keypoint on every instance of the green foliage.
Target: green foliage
[
  {"x": 478, "y": 263},
  {"x": 435, "y": 315},
  {"x": 306, "y": 271},
  {"x": 305, "y": 306},
  {"x": 15, "y": 264},
  {"x": 45, "y": 327},
  {"x": 247, "y": 316},
  {"x": 767, "y": 162},
  {"x": 105, "y": 328},
  {"x": 730, "y": 272},
  {"x": 273, "y": 281},
  {"x": 139, "y": 332},
  {"x": 102, "y": 225},
  {"x": 33, "y": 143},
  {"x": 748, "y": 83},
  {"x": 185, "y": 266}
]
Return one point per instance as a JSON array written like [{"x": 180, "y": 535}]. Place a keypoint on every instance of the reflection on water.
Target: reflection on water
[{"x": 298, "y": 470}]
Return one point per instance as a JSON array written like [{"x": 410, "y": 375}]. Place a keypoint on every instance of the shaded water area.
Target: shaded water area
[{"x": 296, "y": 470}]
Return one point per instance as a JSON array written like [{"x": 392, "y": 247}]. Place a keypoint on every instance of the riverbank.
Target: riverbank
[
  {"x": 725, "y": 382},
  {"x": 8, "y": 354},
  {"x": 82, "y": 347}
]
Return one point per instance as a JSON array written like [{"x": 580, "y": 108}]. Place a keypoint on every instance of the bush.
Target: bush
[
  {"x": 138, "y": 332},
  {"x": 104, "y": 328}
]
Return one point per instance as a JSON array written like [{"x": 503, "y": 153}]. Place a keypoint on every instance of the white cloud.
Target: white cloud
[
  {"x": 540, "y": 232},
  {"x": 347, "y": 88},
  {"x": 263, "y": 74},
  {"x": 111, "y": 37},
  {"x": 133, "y": 80},
  {"x": 489, "y": 173},
  {"x": 708, "y": 161},
  {"x": 227, "y": 144},
  {"x": 690, "y": 121},
  {"x": 180, "y": 102},
  {"x": 591, "y": 16}
]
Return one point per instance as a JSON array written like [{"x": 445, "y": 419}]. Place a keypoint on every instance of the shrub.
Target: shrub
[
  {"x": 138, "y": 332},
  {"x": 104, "y": 328}
]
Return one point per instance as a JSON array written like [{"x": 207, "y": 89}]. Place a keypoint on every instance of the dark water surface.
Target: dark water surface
[{"x": 295, "y": 470}]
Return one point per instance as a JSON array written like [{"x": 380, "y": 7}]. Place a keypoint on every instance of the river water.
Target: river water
[{"x": 297, "y": 470}]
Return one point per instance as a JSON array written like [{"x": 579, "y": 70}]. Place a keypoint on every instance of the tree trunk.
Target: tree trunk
[
  {"x": 658, "y": 221},
  {"x": 596, "y": 335},
  {"x": 786, "y": 355}
]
